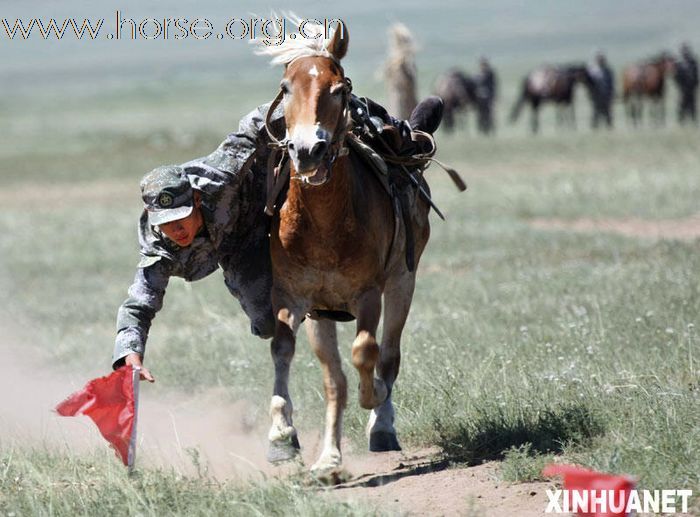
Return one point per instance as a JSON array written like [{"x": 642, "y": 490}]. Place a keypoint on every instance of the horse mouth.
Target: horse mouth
[{"x": 315, "y": 177}]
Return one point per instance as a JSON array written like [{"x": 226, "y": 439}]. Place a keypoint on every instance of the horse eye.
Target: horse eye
[
  {"x": 284, "y": 87},
  {"x": 337, "y": 89}
]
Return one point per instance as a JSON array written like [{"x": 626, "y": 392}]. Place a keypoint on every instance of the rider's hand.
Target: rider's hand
[{"x": 135, "y": 360}]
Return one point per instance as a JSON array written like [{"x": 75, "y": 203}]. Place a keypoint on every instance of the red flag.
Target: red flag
[
  {"x": 111, "y": 402},
  {"x": 585, "y": 484}
]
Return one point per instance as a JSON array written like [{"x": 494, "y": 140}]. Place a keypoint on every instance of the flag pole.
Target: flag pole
[{"x": 135, "y": 377}]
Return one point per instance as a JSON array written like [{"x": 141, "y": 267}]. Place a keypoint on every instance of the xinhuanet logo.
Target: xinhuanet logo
[{"x": 618, "y": 502}]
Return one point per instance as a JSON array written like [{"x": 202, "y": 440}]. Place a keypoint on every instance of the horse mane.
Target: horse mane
[{"x": 291, "y": 49}]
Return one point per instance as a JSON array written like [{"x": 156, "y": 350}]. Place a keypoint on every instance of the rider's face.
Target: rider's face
[{"x": 183, "y": 231}]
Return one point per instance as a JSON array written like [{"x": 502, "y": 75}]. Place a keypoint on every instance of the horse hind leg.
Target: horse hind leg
[
  {"x": 283, "y": 441},
  {"x": 324, "y": 341},
  {"x": 534, "y": 119},
  {"x": 365, "y": 350},
  {"x": 397, "y": 303}
]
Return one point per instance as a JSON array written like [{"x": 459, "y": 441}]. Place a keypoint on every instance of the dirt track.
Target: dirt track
[
  {"x": 686, "y": 229},
  {"x": 404, "y": 483}
]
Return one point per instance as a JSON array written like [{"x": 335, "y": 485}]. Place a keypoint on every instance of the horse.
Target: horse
[
  {"x": 553, "y": 84},
  {"x": 337, "y": 253},
  {"x": 458, "y": 91},
  {"x": 646, "y": 79}
]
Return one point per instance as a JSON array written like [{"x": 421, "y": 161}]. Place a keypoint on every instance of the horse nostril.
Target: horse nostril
[
  {"x": 290, "y": 146},
  {"x": 318, "y": 149}
]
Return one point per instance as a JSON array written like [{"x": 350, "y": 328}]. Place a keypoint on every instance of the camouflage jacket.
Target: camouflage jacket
[{"x": 231, "y": 182}]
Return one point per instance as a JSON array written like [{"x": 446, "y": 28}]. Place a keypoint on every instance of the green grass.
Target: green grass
[
  {"x": 523, "y": 345},
  {"x": 41, "y": 482},
  {"x": 582, "y": 346}
]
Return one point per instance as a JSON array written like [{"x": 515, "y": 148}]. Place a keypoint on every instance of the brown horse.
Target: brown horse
[
  {"x": 553, "y": 84},
  {"x": 457, "y": 91},
  {"x": 646, "y": 79},
  {"x": 337, "y": 253}
]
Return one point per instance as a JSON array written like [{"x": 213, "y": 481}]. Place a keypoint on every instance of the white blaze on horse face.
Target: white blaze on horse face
[
  {"x": 307, "y": 135},
  {"x": 304, "y": 138},
  {"x": 314, "y": 71}
]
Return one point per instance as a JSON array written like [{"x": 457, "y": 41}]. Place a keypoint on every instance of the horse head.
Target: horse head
[
  {"x": 315, "y": 95},
  {"x": 579, "y": 72}
]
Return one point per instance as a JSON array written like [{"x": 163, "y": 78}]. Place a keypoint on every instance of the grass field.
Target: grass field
[{"x": 523, "y": 344}]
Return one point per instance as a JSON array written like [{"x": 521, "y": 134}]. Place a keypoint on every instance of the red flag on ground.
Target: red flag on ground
[
  {"x": 112, "y": 403},
  {"x": 591, "y": 493}
]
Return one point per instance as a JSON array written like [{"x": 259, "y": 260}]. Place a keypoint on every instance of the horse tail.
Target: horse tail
[{"x": 518, "y": 106}]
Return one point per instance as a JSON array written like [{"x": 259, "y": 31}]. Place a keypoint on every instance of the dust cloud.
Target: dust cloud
[{"x": 188, "y": 433}]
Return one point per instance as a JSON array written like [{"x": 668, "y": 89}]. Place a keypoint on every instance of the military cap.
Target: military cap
[{"x": 167, "y": 194}]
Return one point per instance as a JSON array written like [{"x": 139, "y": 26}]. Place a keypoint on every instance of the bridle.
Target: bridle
[{"x": 280, "y": 146}]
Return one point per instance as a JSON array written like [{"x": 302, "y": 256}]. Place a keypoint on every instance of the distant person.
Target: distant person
[
  {"x": 400, "y": 72},
  {"x": 686, "y": 77},
  {"x": 602, "y": 91},
  {"x": 486, "y": 91}
]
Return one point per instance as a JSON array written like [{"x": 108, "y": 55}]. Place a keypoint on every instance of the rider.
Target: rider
[{"x": 209, "y": 213}]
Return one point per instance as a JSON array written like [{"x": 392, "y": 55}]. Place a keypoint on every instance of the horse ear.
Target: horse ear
[{"x": 338, "y": 46}]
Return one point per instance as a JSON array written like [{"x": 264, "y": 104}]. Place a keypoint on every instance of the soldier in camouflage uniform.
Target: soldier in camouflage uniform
[{"x": 199, "y": 216}]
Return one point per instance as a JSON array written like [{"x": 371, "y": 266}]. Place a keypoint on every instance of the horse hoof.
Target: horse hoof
[
  {"x": 283, "y": 450},
  {"x": 330, "y": 476},
  {"x": 383, "y": 441}
]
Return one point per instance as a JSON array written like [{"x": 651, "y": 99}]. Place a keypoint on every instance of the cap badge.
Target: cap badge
[{"x": 165, "y": 200}]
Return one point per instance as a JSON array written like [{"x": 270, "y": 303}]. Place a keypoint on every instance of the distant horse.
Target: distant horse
[
  {"x": 553, "y": 84},
  {"x": 336, "y": 251},
  {"x": 646, "y": 79},
  {"x": 458, "y": 92}
]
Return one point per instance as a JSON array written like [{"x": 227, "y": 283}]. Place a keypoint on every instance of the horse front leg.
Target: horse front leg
[
  {"x": 397, "y": 303},
  {"x": 365, "y": 350},
  {"x": 324, "y": 341},
  {"x": 283, "y": 441}
]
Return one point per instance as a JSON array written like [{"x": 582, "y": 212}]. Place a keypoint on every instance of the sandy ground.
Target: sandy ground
[
  {"x": 230, "y": 447},
  {"x": 686, "y": 229},
  {"x": 417, "y": 483}
]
